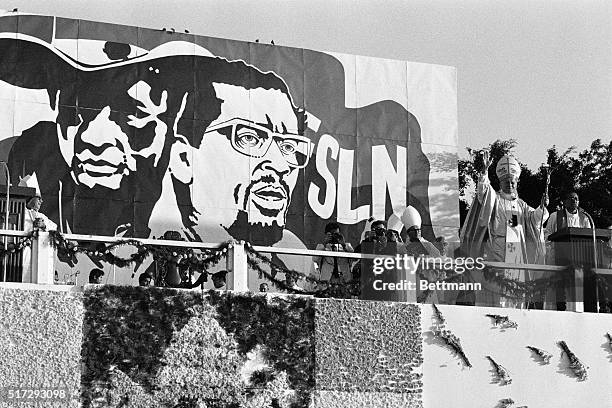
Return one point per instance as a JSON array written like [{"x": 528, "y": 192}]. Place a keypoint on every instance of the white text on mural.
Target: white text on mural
[{"x": 385, "y": 178}]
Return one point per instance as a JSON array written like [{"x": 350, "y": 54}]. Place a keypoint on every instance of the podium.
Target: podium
[
  {"x": 574, "y": 247},
  {"x": 18, "y": 198}
]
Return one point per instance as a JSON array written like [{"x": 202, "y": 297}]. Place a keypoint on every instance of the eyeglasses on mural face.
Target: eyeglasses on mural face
[{"x": 254, "y": 140}]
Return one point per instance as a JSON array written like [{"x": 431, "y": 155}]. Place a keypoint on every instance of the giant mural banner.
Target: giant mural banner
[{"x": 145, "y": 131}]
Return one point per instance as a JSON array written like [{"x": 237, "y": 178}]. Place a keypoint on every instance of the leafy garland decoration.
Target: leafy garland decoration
[
  {"x": 272, "y": 278},
  {"x": 337, "y": 290},
  {"x": 609, "y": 337},
  {"x": 440, "y": 331},
  {"x": 509, "y": 287},
  {"x": 544, "y": 355},
  {"x": 184, "y": 258},
  {"x": 15, "y": 247},
  {"x": 502, "y": 321},
  {"x": 187, "y": 258},
  {"x": 577, "y": 367},
  {"x": 501, "y": 373},
  {"x": 513, "y": 288},
  {"x": 201, "y": 260}
]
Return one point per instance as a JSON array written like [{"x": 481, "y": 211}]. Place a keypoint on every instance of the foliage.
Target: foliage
[
  {"x": 255, "y": 260},
  {"x": 595, "y": 181},
  {"x": 588, "y": 172},
  {"x": 129, "y": 328},
  {"x": 181, "y": 261},
  {"x": 285, "y": 329},
  {"x": 166, "y": 257},
  {"x": 17, "y": 246},
  {"x": 180, "y": 349}
]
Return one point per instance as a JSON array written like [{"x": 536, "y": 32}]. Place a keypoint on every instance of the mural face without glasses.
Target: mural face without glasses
[{"x": 220, "y": 139}]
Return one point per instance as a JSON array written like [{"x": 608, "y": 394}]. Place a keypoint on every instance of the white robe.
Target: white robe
[
  {"x": 26, "y": 253},
  {"x": 518, "y": 244},
  {"x": 508, "y": 243}
]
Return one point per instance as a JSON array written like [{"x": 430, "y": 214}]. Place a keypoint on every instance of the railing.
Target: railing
[{"x": 236, "y": 260}]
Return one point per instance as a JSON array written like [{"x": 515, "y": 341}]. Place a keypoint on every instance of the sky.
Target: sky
[{"x": 538, "y": 71}]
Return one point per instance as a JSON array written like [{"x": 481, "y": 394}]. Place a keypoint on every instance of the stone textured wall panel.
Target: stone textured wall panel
[
  {"x": 368, "y": 346},
  {"x": 40, "y": 343},
  {"x": 354, "y": 399}
]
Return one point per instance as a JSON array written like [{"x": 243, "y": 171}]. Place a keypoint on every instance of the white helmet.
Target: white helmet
[
  {"x": 395, "y": 223},
  {"x": 411, "y": 218},
  {"x": 32, "y": 182}
]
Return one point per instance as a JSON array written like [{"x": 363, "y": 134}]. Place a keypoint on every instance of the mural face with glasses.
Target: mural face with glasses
[{"x": 253, "y": 146}]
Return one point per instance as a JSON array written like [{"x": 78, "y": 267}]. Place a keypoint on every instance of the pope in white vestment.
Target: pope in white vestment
[{"x": 501, "y": 227}]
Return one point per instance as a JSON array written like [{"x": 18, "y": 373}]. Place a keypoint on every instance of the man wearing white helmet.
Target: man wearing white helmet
[
  {"x": 501, "y": 227},
  {"x": 32, "y": 212},
  {"x": 416, "y": 244}
]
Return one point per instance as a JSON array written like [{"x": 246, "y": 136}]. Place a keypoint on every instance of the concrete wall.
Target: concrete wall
[
  {"x": 368, "y": 354},
  {"x": 447, "y": 382},
  {"x": 363, "y": 354},
  {"x": 40, "y": 343}
]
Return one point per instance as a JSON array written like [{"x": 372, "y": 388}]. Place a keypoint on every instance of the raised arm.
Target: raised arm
[{"x": 484, "y": 185}]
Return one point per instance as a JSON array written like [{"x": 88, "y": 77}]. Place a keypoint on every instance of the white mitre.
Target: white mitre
[
  {"x": 32, "y": 182},
  {"x": 411, "y": 218},
  {"x": 508, "y": 166}
]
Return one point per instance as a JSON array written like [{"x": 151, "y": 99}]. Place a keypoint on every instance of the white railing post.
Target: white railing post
[
  {"x": 237, "y": 278},
  {"x": 42, "y": 258},
  {"x": 575, "y": 300}
]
